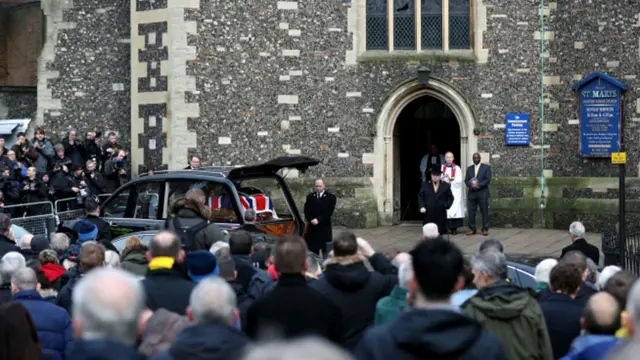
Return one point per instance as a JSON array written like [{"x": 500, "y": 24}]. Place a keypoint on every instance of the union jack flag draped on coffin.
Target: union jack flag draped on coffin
[{"x": 258, "y": 202}]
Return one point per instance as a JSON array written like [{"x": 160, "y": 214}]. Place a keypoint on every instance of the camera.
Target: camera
[{"x": 59, "y": 164}]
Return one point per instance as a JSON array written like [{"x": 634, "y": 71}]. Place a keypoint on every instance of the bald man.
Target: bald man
[
  {"x": 600, "y": 321},
  {"x": 452, "y": 175},
  {"x": 318, "y": 209}
]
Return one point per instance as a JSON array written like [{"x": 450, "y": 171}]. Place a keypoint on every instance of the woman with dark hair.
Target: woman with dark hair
[{"x": 18, "y": 336}]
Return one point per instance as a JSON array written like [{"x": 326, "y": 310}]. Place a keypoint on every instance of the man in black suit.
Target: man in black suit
[
  {"x": 477, "y": 179},
  {"x": 318, "y": 209},
  {"x": 576, "y": 231},
  {"x": 434, "y": 199}
]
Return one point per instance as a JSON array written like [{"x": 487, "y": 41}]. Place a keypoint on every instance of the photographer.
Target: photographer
[
  {"x": 62, "y": 183},
  {"x": 111, "y": 148},
  {"x": 18, "y": 168},
  {"x": 95, "y": 181},
  {"x": 44, "y": 150},
  {"x": 34, "y": 190},
  {"x": 80, "y": 183},
  {"x": 23, "y": 150},
  {"x": 92, "y": 149},
  {"x": 9, "y": 187},
  {"x": 114, "y": 170},
  {"x": 73, "y": 148}
]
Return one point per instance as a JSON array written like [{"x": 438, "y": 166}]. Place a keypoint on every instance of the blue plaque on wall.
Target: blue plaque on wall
[
  {"x": 517, "y": 129},
  {"x": 600, "y": 115}
]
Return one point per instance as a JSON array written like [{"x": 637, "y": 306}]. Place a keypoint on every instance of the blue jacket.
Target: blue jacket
[
  {"x": 206, "y": 342},
  {"x": 102, "y": 350},
  {"x": 52, "y": 323},
  {"x": 592, "y": 347}
]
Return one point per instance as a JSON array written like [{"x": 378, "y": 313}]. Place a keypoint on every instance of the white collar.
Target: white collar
[{"x": 477, "y": 166}]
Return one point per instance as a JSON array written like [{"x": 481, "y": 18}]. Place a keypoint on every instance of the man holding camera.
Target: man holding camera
[
  {"x": 92, "y": 148},
  {"x": 95, "y": 181},
  {"x": 114, "y": 170}
]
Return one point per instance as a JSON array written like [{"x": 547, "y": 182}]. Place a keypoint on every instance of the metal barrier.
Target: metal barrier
[
  {"x": 68, "y": 209},
  {"x": 38, "y": 218}
]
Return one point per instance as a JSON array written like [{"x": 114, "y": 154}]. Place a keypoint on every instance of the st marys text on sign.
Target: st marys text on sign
[{"x": 600, "y": 115}]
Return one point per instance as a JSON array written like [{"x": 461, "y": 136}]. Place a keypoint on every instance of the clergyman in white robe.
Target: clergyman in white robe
[{"x": 452, "y": 174}]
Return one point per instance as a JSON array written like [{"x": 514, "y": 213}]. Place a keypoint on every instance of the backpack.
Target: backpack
[{"x": 187, "y": 234}]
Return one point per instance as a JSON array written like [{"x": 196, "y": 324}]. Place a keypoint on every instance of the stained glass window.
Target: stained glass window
[
  {"x": 404, "y": 25},
  {"x": 377, "y": 25},
  {"x": 459, "y": 24}
]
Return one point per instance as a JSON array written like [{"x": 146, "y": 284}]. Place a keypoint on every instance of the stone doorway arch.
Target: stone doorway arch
[{"x": 386, "y": 171}]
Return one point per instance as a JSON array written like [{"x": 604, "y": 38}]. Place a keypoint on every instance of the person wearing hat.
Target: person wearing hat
[
  {"x": 87, "y": 231},
  {"x": 435, "y": 198},
  {"x": 201, "y": 264}
]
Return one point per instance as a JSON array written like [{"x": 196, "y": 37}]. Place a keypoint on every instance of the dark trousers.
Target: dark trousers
[{"x": 473, "y": 202}]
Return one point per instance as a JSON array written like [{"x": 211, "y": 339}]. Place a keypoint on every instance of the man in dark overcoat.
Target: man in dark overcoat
[
  {"x": 318, "y": 209},
  {"x": 434, "y": 199}
]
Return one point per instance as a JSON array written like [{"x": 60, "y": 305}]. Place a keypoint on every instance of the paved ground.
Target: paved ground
[{"x": 534, "y": 243}]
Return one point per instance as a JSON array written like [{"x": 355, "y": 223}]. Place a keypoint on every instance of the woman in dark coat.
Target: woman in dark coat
[{"x": 434, "y": 199}]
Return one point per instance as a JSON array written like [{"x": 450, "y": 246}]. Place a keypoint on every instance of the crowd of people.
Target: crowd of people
[
  {"x": 37, "y": 170},
  {"x": 74, "y": 296}
]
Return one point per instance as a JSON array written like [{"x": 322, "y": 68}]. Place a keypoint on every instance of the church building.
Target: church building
[{"x": 366, "y": 86}]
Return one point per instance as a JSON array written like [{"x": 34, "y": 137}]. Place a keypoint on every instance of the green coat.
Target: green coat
[
  {"x": 389, "y": 307},
  {"x": 514, "y": 316},
  {"x": 134, "y": 262}
]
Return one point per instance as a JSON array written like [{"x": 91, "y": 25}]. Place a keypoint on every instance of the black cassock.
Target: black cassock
[
  {"x": 436, "y": 203},
  {"x": 321, "y": 208}
]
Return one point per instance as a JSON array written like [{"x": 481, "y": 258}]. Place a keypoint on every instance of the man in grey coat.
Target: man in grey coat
[{"x": 44, "y": 150}]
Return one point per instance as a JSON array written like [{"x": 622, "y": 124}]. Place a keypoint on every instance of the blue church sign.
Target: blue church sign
[
  {"x": 600, "y": 115},
  {"x": 517, "y": 129}
]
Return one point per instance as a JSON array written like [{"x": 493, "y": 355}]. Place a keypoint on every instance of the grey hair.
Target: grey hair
[
  {"x": 111, "y": 258},
  {"x": 25, "y": 279},
  {"x": 107, "y": 303},
  {"x": 405, "y": 274},
  {"x": 309, "y": 348},
  {"x": 606, "y": 274},
  {"x": 592, "y": 271},
  {"x": 90, "y": 162},
  {"x": 213, "y": 301},
  {"x": 543, "y": 269},
  {"x": 59, "y": 242},
  {"x": 577, "y": 229},
  {"x": 217, "y": 246},
  {"x": 9, "y": 264},
  {"x": 430, "y": 231},
  {"x": 249, "y": 215},
  {"x": 491, "y": 261}
]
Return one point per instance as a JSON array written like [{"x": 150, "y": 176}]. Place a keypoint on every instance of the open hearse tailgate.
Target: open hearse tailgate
[{"x": 300, "y": 163}]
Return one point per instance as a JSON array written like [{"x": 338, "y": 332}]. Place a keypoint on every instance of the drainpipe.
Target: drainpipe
[{"x": 542, "y": 178}]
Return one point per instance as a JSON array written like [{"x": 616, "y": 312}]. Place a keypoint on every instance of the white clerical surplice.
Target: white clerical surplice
[{"x": 453, "y": 175}]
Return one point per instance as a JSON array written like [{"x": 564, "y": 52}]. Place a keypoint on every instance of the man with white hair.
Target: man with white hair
[
  {"x": 219, "y": 246},
  {"x": 212, "y": 309},
  {"x": 578, "y": 242},
  {"x": 111, "y": 259},
  {"x": 605, "y": 275},
  {"x": 107, "y": 303},
  {"x": 543, "y": 270},
  {"x": 508, "y": 311},
  {"x": 430, "y": 231},
  {"x": 52, "y": 322},
  {"x": 59, "y": 242},
  {"x": 389, "y": 307},
  {"x": 9, "y": 264}
]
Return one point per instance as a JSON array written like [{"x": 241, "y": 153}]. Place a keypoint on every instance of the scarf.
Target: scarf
[
  {"x": 52, "y": 271},
  {"x": 161, "y": 262}
]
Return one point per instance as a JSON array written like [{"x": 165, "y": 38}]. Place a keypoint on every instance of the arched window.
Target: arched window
[{"x": 418, "y": 25}]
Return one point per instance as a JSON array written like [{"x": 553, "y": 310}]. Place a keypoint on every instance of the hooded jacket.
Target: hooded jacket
[
  {"x": 514, "y": 316},
  {"x": 435, "y": 334},
  {"x": 206, "y": 342},
  {"x": 191, "y": 213},
  {"x": 356, "y": 290},
  {"x": 134, "y": 260}
]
